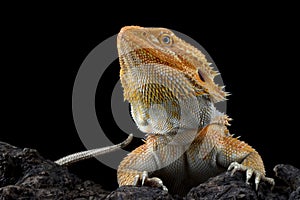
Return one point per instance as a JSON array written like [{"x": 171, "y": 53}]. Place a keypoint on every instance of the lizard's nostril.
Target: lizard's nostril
[{"x": 126, "y": 28}]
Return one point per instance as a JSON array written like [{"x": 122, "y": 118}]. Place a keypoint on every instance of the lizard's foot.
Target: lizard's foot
[
  {"x": 235, "y": 166},
  {"x": 145, "y": 180}
]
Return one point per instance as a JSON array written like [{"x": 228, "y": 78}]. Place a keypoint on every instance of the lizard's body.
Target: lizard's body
[{"x": 170, "y": 87}]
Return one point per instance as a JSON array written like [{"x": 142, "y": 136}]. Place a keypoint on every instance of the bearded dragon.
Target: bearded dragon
[{"x": 170, "y": 87}]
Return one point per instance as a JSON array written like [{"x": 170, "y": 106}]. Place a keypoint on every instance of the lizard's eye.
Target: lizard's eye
[{"x": 166, "y": 39}]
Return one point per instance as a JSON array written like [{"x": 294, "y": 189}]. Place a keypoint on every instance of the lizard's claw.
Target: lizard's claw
[
  {"x": 235, "y": 166},
  {"x": 145, "y": 180}
]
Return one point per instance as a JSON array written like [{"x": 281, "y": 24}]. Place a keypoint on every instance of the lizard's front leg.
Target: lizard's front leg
[
  {"x": 135, "y": 168},
  {"x": 237, "y": 155}
]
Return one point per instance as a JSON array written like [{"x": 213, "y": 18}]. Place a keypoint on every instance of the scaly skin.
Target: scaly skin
[{"x": 171, "y": 90}]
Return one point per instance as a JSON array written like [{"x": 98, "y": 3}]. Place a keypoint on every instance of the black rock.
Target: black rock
[
  {"x": 24, "y": 174},
  {"x": 131, "y": 192}
]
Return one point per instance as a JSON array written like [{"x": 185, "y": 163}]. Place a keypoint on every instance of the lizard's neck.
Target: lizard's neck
[{"x": 173, "y": 115}]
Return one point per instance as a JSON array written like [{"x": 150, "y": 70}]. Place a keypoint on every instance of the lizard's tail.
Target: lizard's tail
[{"x": 83, "y": 155}]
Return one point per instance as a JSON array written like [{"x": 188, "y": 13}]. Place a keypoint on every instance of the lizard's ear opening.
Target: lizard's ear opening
[{"x": 200, "y": 75}]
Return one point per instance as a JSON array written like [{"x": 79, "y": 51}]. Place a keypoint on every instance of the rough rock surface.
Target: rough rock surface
[{"x": 24, "y": 174}]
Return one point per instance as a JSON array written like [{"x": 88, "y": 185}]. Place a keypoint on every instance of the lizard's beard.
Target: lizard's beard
[
  {"x": 163, "y": 100},
  {"x": 171, "y": 116}
]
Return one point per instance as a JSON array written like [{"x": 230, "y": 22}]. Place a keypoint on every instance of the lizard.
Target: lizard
[
  {"x": 172, "y": 94},
  {"x": 170, "y": 87}
]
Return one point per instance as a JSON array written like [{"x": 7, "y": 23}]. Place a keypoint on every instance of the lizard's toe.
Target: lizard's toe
[
  {"x": 235, "y": 166},
  {"x": 156, "y": 182},
  {"x": 259, "y": 176},
  {"x": 249, "y": 173},
  {"x": 144, "y": 179},
  {"x": 270, "y": 181},
  {"x": 257, "y": 180}
]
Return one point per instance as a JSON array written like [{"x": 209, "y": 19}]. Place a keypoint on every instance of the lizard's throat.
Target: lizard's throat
[{"x": 172, "y": 116}]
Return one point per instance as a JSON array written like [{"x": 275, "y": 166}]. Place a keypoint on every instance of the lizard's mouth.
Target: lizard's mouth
[
  {"x": 130, "y": 39},
  {"x": 127, "y": 34}
]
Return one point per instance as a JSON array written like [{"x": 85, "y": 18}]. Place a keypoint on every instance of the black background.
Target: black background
[{"x": 255, "y": 47}]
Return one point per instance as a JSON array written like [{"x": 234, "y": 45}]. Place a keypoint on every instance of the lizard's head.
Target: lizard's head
[
  {"x": 167, "y": 81},
  {"x": 138, "y": 46}
]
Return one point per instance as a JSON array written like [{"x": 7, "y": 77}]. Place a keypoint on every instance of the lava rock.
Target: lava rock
[
  {"x": 131, "y": 192},
  {"x": 25, "y": 174}
]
